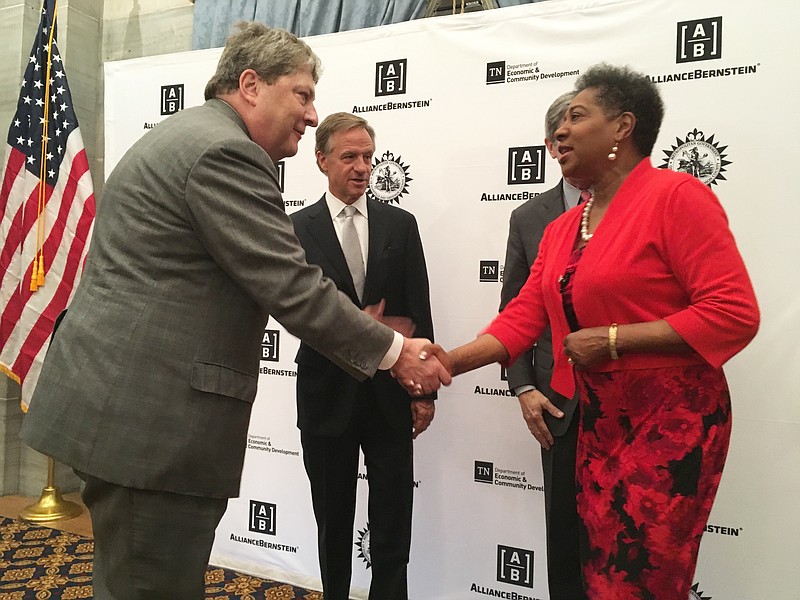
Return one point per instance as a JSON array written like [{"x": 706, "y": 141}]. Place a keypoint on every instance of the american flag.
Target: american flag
[{"x": 47, "y": 206}]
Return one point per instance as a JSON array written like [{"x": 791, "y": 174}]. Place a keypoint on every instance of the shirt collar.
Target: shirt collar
[
  {"x": 572, "y": 195},
  {"x": 335, "y": 206}
]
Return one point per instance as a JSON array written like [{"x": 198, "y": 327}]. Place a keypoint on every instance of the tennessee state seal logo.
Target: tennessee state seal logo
[
  {"x": 695, "y": 594},
  {"x": 698, "y": 156},
  {"x": 362, "y": 543},
  {"x": 389, "y": 179}
]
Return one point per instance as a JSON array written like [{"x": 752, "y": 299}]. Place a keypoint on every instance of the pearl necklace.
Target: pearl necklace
[{"x": 585, "y": 235}]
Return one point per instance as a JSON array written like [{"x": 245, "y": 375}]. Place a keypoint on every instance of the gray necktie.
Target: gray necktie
[{"x": 351, "y": 246}]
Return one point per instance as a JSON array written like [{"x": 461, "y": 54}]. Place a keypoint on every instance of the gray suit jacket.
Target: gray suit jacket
[
  {"x": 150, "y": 380},
  {"x": 535, "y": 367}
]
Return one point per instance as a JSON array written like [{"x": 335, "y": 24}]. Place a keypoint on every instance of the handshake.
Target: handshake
[{"x": 423, "y": 367}]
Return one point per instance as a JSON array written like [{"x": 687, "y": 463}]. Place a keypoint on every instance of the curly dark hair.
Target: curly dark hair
[{"x": 621, "y": 89}]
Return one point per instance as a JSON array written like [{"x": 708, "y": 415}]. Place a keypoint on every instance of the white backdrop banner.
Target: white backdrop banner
[{"x": 458, "y": 104}]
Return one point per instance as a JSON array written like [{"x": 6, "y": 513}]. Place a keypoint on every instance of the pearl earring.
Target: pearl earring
[{"x": 613, "y": 155}]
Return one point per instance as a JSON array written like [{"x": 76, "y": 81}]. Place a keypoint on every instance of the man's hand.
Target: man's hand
[
  {"x": 533, "y": 404},
  {"x": 402, "y": 325},
  {"x": 419, "y": 376},
  {"x": 422, "y": 412}
]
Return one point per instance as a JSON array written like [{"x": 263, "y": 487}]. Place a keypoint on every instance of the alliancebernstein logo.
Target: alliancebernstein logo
[
  {"x": 263, "y": 517},
  {"x": 281, "y": 167},
  {"x": 364, "y": 477},
  {"x": 701, "y": 40},
  {"x": 263, "y": 544},
  {"x": 698, "y": 156},
  {"x": 171, "y": 102},
  {"x": 514, "y": 567},
  {"x": 525, "y": 166},
  {"x": 171, "y": 98},
  {"x": 270, "y": 345},
  {"x": 390, "y": 79},
  {"x": 270, "y": 352},
  {"x": 722, "y": 530}
]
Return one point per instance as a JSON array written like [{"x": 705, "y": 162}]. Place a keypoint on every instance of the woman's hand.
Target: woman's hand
[
  {"x": 589, "y": 347},
  {"x": 586, "y": 348}
]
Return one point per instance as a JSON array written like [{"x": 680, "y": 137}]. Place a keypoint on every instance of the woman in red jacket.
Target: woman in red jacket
[{"x": 648, "y": 292}]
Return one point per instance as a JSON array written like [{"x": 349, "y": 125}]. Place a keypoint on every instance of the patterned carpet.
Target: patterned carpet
[{"x": 41, "y": 563}]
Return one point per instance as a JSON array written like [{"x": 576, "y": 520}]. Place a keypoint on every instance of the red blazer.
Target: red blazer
[{"x": 662, "y": 251}]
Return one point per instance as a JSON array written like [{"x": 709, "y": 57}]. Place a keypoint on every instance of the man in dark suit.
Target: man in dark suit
[
  {"x": 373, "y": 253},
  {"x": 147, "y": 388},
  {"x": 550, "y": 417}
]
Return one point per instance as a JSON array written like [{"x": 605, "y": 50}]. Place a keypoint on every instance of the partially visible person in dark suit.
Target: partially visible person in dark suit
[
  {"x": 373, "y": 253},
  {"x": 551, "y": 417},
  {"x": 147, "y": 388}
]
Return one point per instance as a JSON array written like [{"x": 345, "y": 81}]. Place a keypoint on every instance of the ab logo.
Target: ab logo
[
  {"x": 262, "y": 517},
  {"x": 390, "y": 77},
  {"x": 281, "y": 166},
  {"x": 270, "y": 345},
  {"x": 515, "y": 566},
  {"x": 526, "y": 165},
  {"x": 171, "y": 98},
  {"x": 699, "y": 40}
]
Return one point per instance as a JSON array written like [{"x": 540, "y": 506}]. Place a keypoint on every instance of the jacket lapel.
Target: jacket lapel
[
  {"x": 378, "y": 245},
  {"x": 553, "y": 206},
  {"x": 320, "y": 226}
]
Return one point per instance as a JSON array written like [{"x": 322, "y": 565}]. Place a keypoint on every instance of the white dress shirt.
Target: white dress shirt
[{"x": 360, "y": 220}]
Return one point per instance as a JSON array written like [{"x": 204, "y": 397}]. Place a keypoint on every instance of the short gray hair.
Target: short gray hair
[
  {"x": 339, "y": 121},
  {"x": 270, "y": 52},
  {"x": 555, "y": 114}
]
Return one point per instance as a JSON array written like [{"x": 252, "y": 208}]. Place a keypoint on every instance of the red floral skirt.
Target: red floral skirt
[{"x": 651, "y": 449}]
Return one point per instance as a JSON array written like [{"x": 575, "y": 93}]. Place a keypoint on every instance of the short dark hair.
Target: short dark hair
[{"x": 621, "y": 89}]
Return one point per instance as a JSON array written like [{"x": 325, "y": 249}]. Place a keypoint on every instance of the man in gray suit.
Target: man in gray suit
[
  {"x": 147, "y": 388},
  {"x": 551, "y": 417},
  {"x": 385, "y": 273}
]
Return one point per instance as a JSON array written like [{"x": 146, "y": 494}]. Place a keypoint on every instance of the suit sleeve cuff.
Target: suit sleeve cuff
[
  {"x": 521, "y": 389},
  {"x": 392, "y": 354}
]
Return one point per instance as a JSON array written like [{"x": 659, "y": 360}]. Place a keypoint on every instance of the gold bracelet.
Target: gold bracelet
[{"x": 612, "y": 341}]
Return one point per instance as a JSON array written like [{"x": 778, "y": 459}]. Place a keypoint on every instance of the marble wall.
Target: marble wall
[{"x": 90, "y": 32}]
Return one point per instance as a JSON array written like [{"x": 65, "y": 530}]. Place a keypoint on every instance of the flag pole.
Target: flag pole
[
  {"x": 44, "y": 116},
  {"x": 51, "y": 506}
]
